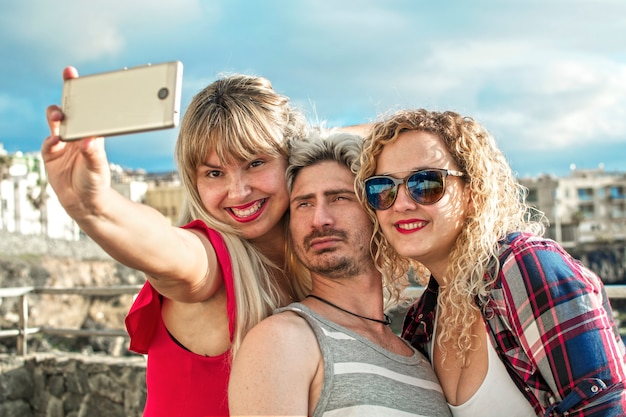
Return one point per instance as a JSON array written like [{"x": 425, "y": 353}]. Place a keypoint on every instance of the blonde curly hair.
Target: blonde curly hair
[{"x": 497, "y": 207}]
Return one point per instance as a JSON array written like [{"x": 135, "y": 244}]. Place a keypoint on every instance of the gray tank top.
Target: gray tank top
[{"x": 363, "y": 379}]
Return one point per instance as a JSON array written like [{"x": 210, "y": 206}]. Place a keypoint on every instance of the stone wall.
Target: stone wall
[
  {"x": 71, "y": 385},
  {"x": 68, "y": 384},
  {"x": 41, "y": 262},
  {"x": 16, "y": 244},
  {"x": 55, "y": 383}
]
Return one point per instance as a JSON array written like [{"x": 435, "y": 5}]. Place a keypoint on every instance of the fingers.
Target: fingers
[
  {"x": 50, "y": 146},
  {"x": 52, "y": 142},
  {"x": 54, "y": 117},
  {"x": 92, "y": 146},
  {"x": 70, "y": 72},
  {"x": 53, "y": 113}
]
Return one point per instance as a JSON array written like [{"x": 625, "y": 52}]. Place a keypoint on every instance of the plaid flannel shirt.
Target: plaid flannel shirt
[{"x": 551, "y": 323}]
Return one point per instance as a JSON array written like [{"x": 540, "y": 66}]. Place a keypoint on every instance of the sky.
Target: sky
[{"x": 547, "y": 78}]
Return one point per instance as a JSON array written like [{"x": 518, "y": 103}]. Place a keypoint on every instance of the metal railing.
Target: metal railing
[
  {"x": 23, "y": 331},
  {"x": 612, "y": 291}
]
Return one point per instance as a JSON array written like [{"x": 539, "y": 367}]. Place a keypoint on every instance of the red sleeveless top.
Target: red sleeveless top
[{"x": 179, "y": 382}]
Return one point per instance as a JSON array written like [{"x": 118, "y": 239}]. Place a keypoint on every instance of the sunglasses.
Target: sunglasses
[{"x": 425, "y": 186}]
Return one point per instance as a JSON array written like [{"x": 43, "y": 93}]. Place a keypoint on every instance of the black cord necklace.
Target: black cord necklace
[{"x": 386, "y": 322}]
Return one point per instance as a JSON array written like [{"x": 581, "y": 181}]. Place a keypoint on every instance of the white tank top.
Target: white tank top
[{"x": 497, "y": 395}]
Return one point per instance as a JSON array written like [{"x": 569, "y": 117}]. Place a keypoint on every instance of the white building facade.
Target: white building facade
[
  {"x": 28, "y": 205},
  {"x": 583, "y": 207}
]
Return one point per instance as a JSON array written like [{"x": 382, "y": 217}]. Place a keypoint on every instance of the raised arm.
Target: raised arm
[{"x": 175, "y": 260}]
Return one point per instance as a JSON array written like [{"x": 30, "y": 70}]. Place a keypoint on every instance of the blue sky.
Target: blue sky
[{"x": 546, "y": 77}]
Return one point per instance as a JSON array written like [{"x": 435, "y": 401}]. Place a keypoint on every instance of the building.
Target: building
[
  {"x": 28, "y": 205},
  {"x": 588, "y": 205},
  {"x": 585, "y": 206},
  {"x": 166, "y": 194}
]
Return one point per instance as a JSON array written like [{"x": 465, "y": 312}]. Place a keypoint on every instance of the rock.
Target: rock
[
  {"x": 39, "y": 262},
  {"x": 17, "y": 408},
  {"x": 69, "y": 384}
]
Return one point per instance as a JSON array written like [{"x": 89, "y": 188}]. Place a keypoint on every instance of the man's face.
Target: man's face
[{"x": 330, "y": 230}]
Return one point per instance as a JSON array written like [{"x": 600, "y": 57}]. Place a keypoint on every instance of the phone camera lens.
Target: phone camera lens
[{"x": 163, "y": 93}]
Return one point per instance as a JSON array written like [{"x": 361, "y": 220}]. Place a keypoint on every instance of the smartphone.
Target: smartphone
[{"x": 120, "y": 102}]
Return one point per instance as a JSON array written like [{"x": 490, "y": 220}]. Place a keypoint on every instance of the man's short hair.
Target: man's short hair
[{"x": 323, "y": 145}]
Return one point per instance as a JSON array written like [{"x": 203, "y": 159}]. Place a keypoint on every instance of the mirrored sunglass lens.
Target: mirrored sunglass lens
[
  {"x": 381, "y": 193},
  {"x": 426, "y": 187}
]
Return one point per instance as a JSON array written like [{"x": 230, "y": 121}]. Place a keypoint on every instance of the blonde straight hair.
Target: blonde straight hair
[{"x": 240, "y": 116}]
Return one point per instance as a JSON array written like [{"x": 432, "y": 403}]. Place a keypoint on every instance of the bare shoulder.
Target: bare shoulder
[
  {"x": 285, "y": 335},
  {"x": 286, "y": 328},
  {"x": 260, "y": 384}
]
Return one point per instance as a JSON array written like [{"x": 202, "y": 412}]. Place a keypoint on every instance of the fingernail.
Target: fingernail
[{"x": 56, "y": 115}]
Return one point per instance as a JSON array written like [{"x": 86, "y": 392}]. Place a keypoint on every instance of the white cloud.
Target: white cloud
[
  {"x": 541, "y": 75},
  {"x": 82, "y": 30},
  {"x": 544, "y": 97},
  {"x": 569, "y": 103}
]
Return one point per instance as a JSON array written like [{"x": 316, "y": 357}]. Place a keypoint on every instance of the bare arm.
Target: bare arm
[
  {"x": 277, "y": 370},
  {"x": 177, "y": 262}
]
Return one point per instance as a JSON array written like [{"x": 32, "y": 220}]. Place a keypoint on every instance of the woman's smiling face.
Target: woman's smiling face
[
  {"x": 250, "y": 196},
  {"x": 425, "y": 233}
]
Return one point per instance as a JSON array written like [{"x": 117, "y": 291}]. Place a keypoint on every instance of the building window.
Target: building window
[
  {"x": 618, "y": 212},
  {"x": 617, "y": 192},
  {"x": 587, "y": 211},
  {"x": 585, "y": 194}
]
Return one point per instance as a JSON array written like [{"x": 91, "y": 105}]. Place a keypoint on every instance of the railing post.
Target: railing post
[{"x": 23, "y": 324}]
